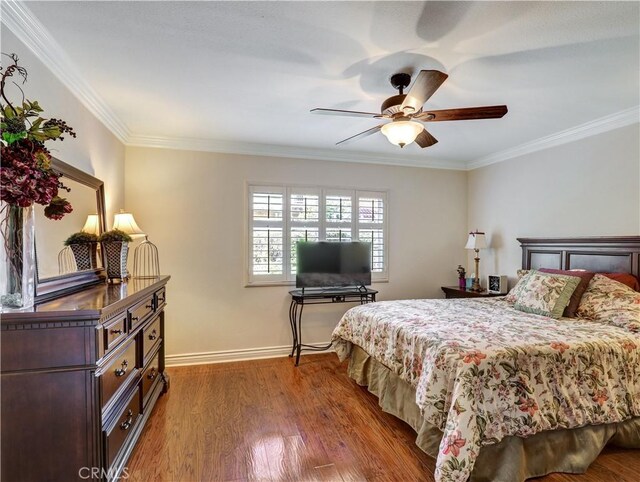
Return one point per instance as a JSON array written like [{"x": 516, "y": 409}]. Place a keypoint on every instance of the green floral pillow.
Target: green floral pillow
[
  {"x": 545, "y": 294},
  {"x": 611, "y": 302},
  {"x": 512, "y": 296}
]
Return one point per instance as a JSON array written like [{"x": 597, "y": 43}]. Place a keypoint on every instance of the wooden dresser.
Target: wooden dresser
[{"x": 80, "y": 376}]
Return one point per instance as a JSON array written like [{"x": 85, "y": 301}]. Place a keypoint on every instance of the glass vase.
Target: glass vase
[{"x": 17, "y": 257}]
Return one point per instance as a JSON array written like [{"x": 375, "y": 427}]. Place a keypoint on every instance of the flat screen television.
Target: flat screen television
[{"x": 326, "y": 264}]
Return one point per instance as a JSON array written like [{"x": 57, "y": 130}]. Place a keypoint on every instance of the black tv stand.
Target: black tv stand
[{"x": 316, "y": 296}]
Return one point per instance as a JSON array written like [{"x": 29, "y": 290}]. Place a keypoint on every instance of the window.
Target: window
[{"x": 281, "y": 216}]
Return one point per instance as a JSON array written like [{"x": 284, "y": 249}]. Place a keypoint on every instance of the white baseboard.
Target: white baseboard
[{"x": 224, "y": 356}]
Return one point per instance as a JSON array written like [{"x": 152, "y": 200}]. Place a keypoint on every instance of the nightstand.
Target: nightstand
[{"x": 455, "y": 292}]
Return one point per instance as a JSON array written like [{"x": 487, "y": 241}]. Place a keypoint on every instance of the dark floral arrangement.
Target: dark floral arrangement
[{"x": 26, "y": 175}]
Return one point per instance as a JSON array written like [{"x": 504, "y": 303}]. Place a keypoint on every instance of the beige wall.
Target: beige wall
[
  {"x": 95, "y": 150},
  {"x": 590, "y": 187},
  {"x": 193, "y": 206}
]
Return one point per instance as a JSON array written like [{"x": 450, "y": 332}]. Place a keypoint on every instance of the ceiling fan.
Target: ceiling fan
[{"x": 405, "y": 109}]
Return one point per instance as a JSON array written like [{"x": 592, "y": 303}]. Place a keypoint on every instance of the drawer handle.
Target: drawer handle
[
  {"x": 163, "y": 298},
  {"x": 127, "y": 423},
  {"x": 153, "y": 374},
  {"x": 116, "y": 332},
  {"x": 123, "y": 369},
  {"x": 153, "y": 335},
  {"x": 149, "y": 306},
  {"x": 135, "y": 318}
]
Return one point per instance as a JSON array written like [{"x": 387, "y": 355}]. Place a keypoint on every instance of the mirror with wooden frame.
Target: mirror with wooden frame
[{"x": 64, "y": 269}]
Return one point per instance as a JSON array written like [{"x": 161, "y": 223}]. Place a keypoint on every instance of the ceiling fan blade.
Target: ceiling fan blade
[
  {"x": 350, "y": 113},
  {"x": 362, "y": 134},
  {"x": 423, "y": 87},
  {"x": 468, "y": 113},
  {"x": 425, "y": 139}
]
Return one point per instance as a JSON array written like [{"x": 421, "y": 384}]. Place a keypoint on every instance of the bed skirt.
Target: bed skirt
[{"x": 512, "y": 459}]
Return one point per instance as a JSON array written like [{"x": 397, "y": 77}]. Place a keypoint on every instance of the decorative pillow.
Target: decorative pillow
[
  {"x": 546, "y": 294},
  {"x": 512, "y": 295},
  {"x": 624, "y": 278},
  {"x": 611, "y": 302},
  {"x": 585, "y": 278}
]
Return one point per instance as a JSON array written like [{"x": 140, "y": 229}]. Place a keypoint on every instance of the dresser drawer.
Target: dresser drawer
[
  {"x": 116, "y": 437},
  {"x": 41, "y": 348},
  {"x": 140, "y": 312},
  {"x": 150, "y": 376},
  {"x": 118, "y": 370},
  {"x": 114, "y": 332},
  {"x": 150, "y": 337},
  {"x": 161, "y": 298}
]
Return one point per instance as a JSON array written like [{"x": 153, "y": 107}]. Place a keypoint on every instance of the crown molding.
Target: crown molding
[
  {"x": 603, "y": 124},
  {"x": 271, "y": 150},
  {"x": 30, "y": 31}
]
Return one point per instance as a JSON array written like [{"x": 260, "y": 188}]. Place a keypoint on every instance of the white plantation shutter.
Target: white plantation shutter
[
  {"x": 267, "y": 207},
  {"x": 339, "y": 235},
  {"x": 267, "y": 250},
  {"x": 301, "y": 234},
  {"x": 304, "y": 219},
  {"x": 339, "y": 216},
  {"x": 305, "y": 207},
  {"x": 376, "y": 238},
  {"x": 281, "y": 216},
  {"x": 372, "y": 228},
  {"x": 370, "y": 210},
  {"x": 339, "y": 208}
]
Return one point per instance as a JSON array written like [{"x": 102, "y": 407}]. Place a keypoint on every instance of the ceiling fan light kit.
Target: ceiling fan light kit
[
  {"x": 405, "y": 109},
  {"x": 403, "y": 132}
]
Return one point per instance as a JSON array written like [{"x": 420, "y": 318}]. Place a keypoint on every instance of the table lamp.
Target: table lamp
[
  {"x": 476, "y": 242},
  {"x": 126, "y": 223},
  {"x": 92, "y": 225}
]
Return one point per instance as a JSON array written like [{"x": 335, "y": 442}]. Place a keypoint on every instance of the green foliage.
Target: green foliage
[
  {"x": 11, "y": 137},
  {"x": 115, "y": 236},
  {"x": 81, "y": 238},
  {"x": 34, "y": 127},
  {"x": 23, "y": 121}
]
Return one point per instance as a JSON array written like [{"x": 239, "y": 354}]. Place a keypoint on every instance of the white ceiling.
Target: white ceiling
[{"x": 248, "y": 72}]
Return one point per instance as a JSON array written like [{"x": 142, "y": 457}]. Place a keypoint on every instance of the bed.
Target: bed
[{"x": 496, "y": 394}]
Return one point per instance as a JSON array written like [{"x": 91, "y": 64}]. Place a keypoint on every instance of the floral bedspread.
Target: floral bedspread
[{"x": 483, "y": 370}]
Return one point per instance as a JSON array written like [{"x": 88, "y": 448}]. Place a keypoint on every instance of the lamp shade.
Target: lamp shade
[
  {"x": 402, "y": 133},
  {"x": 476, "y": 240},
  {"x": 126, "y": 223},
  {"x": 92, "y": 225}
]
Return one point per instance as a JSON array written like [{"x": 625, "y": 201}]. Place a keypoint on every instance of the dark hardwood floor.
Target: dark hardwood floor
[{"x": 267, "y": 420}]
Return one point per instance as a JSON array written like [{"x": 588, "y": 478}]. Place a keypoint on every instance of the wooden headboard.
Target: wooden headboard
[{"x": 618, "y": 254}]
